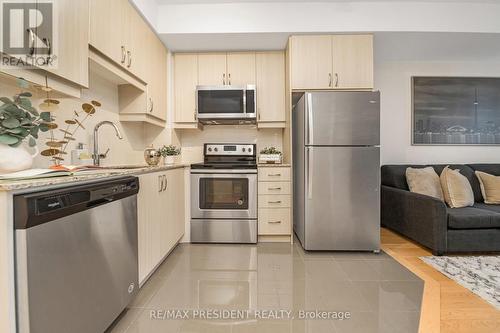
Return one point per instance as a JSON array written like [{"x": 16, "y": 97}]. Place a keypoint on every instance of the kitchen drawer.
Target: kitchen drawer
[
  {"x": 274, "y": 174},
  {"x": 274, "y": 221},
  {"x": 274, "y": 188},
  {"x": 274, "y": 201}
]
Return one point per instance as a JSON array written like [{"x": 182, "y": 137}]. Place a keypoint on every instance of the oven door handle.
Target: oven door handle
[{"x": 223, "y": 171}]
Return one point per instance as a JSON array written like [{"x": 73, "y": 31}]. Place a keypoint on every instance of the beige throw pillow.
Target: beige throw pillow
[
  {"x": 490, "y": 187},
  {"x": 456, "y": 189},
  {"x": 424, "y": 181}
]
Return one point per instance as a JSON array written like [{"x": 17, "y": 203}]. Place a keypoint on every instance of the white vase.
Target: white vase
[
  {"x": 169, "y": 160},
  {"x": 15, "y": 159}
]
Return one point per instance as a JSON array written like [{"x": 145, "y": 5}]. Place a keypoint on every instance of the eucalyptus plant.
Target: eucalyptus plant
[{"x": 19, "y": 120}]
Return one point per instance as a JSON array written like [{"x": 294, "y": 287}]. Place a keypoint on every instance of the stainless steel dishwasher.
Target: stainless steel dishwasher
[{"x": 76, "y": 256}]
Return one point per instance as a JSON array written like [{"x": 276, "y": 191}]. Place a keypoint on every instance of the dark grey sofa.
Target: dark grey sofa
[{"x": 430, "y": 222}]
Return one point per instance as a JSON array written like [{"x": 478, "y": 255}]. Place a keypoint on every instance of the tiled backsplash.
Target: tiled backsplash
[{"x": 192, "y": 141}]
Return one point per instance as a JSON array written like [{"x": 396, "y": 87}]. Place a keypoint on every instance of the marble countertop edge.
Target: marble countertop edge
[{"x": 109, "y": 172}]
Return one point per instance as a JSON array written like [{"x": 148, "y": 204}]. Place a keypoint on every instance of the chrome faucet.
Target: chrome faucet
[{"x": 97, "y": 156}]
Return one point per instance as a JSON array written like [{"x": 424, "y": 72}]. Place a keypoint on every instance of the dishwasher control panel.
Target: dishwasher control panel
[{"x": 36, "y": 208}]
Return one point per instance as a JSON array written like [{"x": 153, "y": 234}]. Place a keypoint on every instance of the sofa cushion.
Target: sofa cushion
[
  {"x": 457, "y": 190},
  {"x": 492, "y": 169},
  {"x": 424, "y": 181},
  {"x": 394, "y": 175},
  {"x": 468, "y": 172},
  {"x": 493, "y": 208},
  {"x": 490, "y": 187},
  {"x": 472, "y": 218}
]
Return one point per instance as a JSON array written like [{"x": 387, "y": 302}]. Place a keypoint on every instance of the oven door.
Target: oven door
[
  {"x": 225, "y": 194},
  {"x": 225, "y": 102}
]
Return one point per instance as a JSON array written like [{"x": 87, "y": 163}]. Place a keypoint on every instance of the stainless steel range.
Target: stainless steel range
[{"x": 224, "y": 195}]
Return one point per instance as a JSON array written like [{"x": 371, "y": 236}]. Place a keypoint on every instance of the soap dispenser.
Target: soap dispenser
[{"x": 81, "y": 156}]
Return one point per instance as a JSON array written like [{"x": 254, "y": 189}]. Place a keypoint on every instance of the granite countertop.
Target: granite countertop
[
  {"x": 114, "y": 171},
  {"x": 271, "y": 165}
]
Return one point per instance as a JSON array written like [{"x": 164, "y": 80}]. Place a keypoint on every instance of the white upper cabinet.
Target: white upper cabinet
[
  {"x": 67, "y": 47},
  {"x": 119, "y": 32},
  {"x": 107, "y": 33},
  {"x": 240, "y": 68},
  {"x": 212, "y": 69},
  {"x": 186, "y": 80},
  {"x": 352, "y": 61},
  {"x": 270, "y": 75},
  {"x": 233, "y": 68},
  {"x": 73, "y": 40},
  {"x": 311, "y": 62},
  {"x": 331, "y": 62}
]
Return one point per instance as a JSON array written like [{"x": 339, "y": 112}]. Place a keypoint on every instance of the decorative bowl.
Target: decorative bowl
[{"x": 152, "y": 156}]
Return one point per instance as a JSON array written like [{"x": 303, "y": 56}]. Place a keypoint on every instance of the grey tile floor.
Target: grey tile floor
[{"x": 265, "y": 281}]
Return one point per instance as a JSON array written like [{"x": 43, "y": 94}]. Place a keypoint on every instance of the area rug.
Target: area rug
[{"x": 480, "y": 274}]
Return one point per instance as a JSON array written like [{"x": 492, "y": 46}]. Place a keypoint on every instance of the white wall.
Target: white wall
[
  {"x": 137, "y": 136},
  {"x": 398, "y": 57}
]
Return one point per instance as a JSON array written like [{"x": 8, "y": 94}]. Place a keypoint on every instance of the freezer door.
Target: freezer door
[
  {"x": 342, "y": 198},
  {"x": 342, "y": 118}
]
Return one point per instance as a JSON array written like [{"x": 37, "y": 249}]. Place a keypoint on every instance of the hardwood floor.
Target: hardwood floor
[{"x": 447, "y": 307}]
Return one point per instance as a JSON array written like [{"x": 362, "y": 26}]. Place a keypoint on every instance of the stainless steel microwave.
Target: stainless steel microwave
[{"x": 226, "y": 104}]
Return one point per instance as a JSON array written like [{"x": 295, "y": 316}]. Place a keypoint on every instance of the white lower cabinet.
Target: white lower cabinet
[
  {"x": 275, "y": 202},
  {"x": 160, "y": 207}
]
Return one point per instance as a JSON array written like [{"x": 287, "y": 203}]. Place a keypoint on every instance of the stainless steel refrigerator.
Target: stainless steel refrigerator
[{"x": 336, "y": 162}]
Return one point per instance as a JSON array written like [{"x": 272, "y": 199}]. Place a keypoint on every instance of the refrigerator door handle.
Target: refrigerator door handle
[
  {"x": 309, "y": 172},
  {"x": 310, "y": 127}
]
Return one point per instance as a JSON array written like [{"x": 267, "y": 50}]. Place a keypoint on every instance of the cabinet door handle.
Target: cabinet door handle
[
  {"x": 49, "y": 46},
  {"x": 336, "y": 79},
  {"x": 124, "y": 54},
  {"x": 329, "y": 79},
  {"x": 274, "y": 222},
  {"x": 274, "y": 202},
  {"x": 195, "y": 116},
  {"x": 129, "y": 54},
  {"x": 151, "y": 105},
  {"x": 275, "y": 175},
  {"x": 32, "y": 41},
  {"x": 224, "y": 78},
  {"x": 165, "y": 182},
  {"x": 160, "y": 183},
  {"x": 274, "y": 188},
  {"x": 229, "y": 78}
]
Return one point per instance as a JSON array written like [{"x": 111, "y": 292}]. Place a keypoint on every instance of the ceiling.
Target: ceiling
[{"x": 183, "y": 2}]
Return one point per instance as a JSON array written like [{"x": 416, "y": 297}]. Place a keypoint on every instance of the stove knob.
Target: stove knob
[
  {"x": 210, "y": 149},
  {"x": 243, "y": 150},
  {"x": 249, "y": 150},
  {"x": 216, "y": 150}
]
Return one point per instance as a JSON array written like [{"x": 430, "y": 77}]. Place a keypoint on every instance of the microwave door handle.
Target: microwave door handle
[{"x": 244, "y": 102}]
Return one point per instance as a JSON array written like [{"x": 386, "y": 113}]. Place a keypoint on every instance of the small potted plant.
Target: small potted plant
[
  {"x": 169, "y": 152},
  {"x": 270, "y": 155}
]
